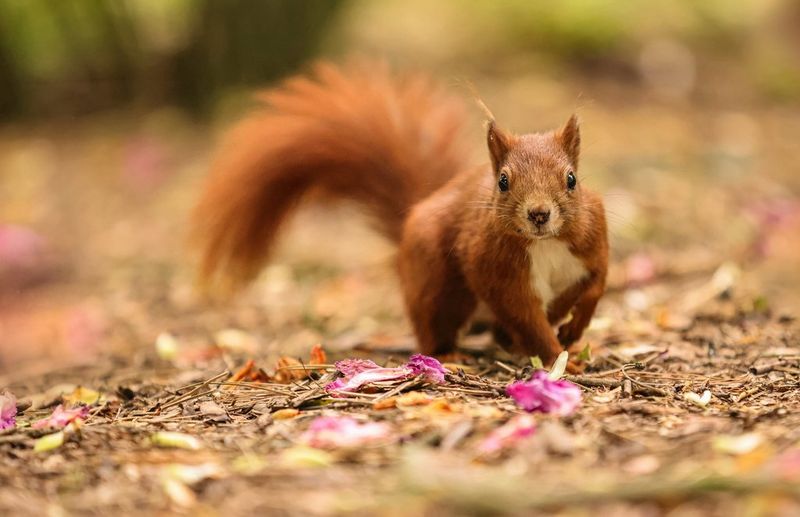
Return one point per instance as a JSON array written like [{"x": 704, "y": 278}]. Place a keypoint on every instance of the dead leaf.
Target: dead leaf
[
  {"x": 304, "y": 456},
  {"x": 249, "y": 464},
  {"x": 317, "y": 355},
  {"x": 441, "y": 407},
  {"x": 167, "y": 346},
  {"x": 212, "y": 411},
  {"x": 178, "y": 493},
  {"x": 85, "y": 396},
  {"x": 556, "y": 438},
  {"x": 49, "y": 442},
  {"x": 413, "y": 398},
  {"x": 244, "y": 372},
  {"x": 285, "y": 414},
  {"x": 454, "y": 367},
  {"x": 737, "y": 445},
  {"x": 672, "y": 321},
  {"x": 175, "y": 440},
  {"x": 249, "y": 373},
  {"x": 642, "y": 465},
  {"x": 700, "y": 400},
  {"x": 236, "y": 341},
  {"x": 386, "y": 403},
  {"x": 289, "y": 369}
]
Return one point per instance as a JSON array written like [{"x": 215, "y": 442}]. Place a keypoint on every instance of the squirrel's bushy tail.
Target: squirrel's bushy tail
[{"x": 355, "y": 132}]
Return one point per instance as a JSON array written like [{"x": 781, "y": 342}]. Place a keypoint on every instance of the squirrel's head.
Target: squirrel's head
[{"x": 536, "y": 190}]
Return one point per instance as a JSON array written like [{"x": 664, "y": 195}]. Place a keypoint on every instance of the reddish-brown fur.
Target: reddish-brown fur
[
  {"x": 392, "y": 145},
  {"x": 356, "y": 132}
]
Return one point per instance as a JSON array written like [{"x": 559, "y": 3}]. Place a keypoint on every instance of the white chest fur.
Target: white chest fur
[{"x": 553, "y": 269}]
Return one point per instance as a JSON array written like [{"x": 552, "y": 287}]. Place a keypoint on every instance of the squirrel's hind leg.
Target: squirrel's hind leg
[
  {"x": 438, "y": 301},
  {"x": 439, "y": 317}
]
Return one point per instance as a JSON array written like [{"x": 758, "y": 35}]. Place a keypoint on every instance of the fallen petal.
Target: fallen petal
[
  {"x": 545, "y": 395},
  {"x": 8, "y": 410},
  {"x": 367, "y": 377},
  {"x": 508, "y": 435},
  {"x": 350, "y": 367},
  {"x": 62, "y": 417},
  {"x": 331, "y": 432},
  {"x": 20, "y": 246},
  {"x": 359, "y": 372},
  {"x": 787, "y": 464},
  {"x": 428, "y": 367},
  {"x": 640, "y": 268}
]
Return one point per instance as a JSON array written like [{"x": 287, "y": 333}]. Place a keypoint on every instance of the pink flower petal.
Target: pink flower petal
[
  {"x": 8, "y": 410},
  {"x": 544, "y": 395},
  {"x": 350, "y": 367},
  {"x": 431, "y": 368},
  {"x": 640, "y": 268},
  {"x": 787, "y": 464},
  {"x": 359, "y": 372},
  {"x": 330, "y": 432},
  {"x": 508, "y": 435},
  {"x": 367, "y": 377},
  {"x": 20, "y": 246},
  {"x": 62, "y": 417}
]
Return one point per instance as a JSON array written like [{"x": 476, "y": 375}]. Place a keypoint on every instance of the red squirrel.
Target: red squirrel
[{"x": 521, "y": 234}]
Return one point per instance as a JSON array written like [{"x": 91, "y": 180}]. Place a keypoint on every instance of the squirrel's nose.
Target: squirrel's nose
[{"x": 539, "y": 216}]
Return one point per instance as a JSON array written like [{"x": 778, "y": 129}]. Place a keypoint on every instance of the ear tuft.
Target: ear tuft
[
  {"x": 569, "y": 137},
  {"x": 499, "y": 143}
]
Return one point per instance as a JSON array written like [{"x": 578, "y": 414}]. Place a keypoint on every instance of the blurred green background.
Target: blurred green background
[
  {"x": 69, "y": 57},
  {"x": 110, "y": 110}
]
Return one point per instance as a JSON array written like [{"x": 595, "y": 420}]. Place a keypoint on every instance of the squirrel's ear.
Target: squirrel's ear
[
  {"x": 499, "y": 143},
  {"x": 569, "y": 137}
]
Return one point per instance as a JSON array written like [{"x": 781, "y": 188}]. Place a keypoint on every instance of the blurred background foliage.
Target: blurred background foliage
[
  {"x": 77, "y": 56},
  {"x": 74, "y": 56},
  {"x": 110, "y": 111}
]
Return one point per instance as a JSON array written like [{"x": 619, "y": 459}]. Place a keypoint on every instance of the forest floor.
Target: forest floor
[
  {"x": 637, "y": 444},
  {"x": 690, "y": 401}
]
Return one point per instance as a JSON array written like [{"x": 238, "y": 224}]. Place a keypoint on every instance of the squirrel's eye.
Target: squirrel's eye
[
  {"x": 572, "y": 181},
  {"x": 503, "y": 183}
]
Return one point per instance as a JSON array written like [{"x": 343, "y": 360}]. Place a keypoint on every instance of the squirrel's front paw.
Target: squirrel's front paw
[
  {"x": 575, "y": 367},
  {"x": 568, "y": 334}
]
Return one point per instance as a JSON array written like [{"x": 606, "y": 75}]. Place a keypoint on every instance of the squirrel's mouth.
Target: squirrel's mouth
[
  {"x": 538, "y": 232},
  {"x": 543, "y": 233}
]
